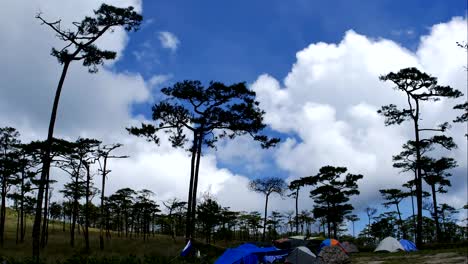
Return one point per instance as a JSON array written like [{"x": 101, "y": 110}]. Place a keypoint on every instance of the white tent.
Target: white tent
[{"x": 389, "y": 244}]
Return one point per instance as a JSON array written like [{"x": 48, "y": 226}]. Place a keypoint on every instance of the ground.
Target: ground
[{"x": 458, "y": 255}]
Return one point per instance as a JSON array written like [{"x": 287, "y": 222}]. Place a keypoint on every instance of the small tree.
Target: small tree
[
  {"x": 370, "y": 212},
  {"x": 209, "y": 215},
  {"x": 83, "y": 40},
  {"x": 331, "y": 195},
  {"x": 418, "y": 87},
  {"x": 9, "y": 167},
  {"x": 395, "y": 196},
  {"x": 267, "y": 186},
  {"x": 352, "y": 218},
  {"x": 436, "y": 175},
  {"x": 103, "y": 156},
  {"x": 295, "y": 186}
]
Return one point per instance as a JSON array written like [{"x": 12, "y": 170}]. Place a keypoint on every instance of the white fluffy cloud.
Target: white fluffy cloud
[
  {"x": 329, "y": 100},
  {"x": 169, "y": 40}
]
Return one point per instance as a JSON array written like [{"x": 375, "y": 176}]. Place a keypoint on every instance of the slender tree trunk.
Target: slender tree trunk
[
  {"x": 22, "y": 208},
  {"x": 3, "y": 211},
  {"x": 195, "y": 182},
  {"x": 297, "y": 211},
  {"x": 74, "y": 218},
  {"x": 402, "y": 228},
  {"x": 412, "y": 205},
  {"x": 46, "y": 165},
  {"x": 86, "y": 229},
  {"x": 265, "y": 217},
  {"x": 17, "y": 223},
  {"x": 419, "y": 222},
  {"x": 436, "y": 216},
  {"x": 188, "y": 223},
  {"x": 101, "y": 235},
  {"x": 353, "y": 230},
  {"x": 328, "y": 220},
  {"x": 64, "y": 219},
  {"x": 46, "y": 208}
]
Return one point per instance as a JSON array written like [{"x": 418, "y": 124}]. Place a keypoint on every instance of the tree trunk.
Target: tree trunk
[
  {"x": 436, "y": 216},
  {"x": 328, "y": 220},
  {"x": 22, "y": 208},
  {"x": 419, "y": 201},
  {"x": 412, "y": 205},
  {"x": 3, "y": 211},
  {"x": 195, "y": 182},
  {"x": 101, "y": 228},
  {"x": 402, "y": 228},
  {"x": 265, "y": 217},
  {"x": 17, "y": 222},
  {"x": 46, "y": 207},
  {"x": 46, "y": 165},
  {"x": 297, "y": 211},
  {"x": 189, "y": 200},
  {"x": 86, "y": 229}
]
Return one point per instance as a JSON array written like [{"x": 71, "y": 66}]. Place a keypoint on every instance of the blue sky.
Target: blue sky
[{"x": 239, "y": 40}]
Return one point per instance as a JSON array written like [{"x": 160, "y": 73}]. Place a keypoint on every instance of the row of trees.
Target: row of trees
[
  {"x": 331, "y": 192},
  {"x": 20, "y": 169}
]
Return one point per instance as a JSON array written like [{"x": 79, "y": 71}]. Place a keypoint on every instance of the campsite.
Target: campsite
[{"x": 233, "y": 132}]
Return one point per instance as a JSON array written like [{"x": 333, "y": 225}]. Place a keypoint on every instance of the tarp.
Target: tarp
[
  {"x": 350, "y": 247},
  {"x": 331, "y": 243},
  {"x": 247, "y": 254},
  {"x": 301, "y": 255},
  {"x": 389, "y": 244},
  {"x": 408, "y": 245}
]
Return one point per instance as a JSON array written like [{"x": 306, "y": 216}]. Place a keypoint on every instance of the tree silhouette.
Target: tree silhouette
[
  {"x": 103, "y": 156},
  {"x": 352, "y": 218},
  {"x": 83, "y": 40},
  {"x": 295, "y": 186},
  {"x": 209, "y": 113},
  {"x": 436, "y": 175},
  {"x": 267, "y": 186},
  {"x": 395, "y": 196},
  {"x": 209, "y": 215},
  {"x": 331, "y": 195},
  {"x": 418, "y": 87},
  {"x": 9, "y": 141},
  {"x": 370, "y": 212}
]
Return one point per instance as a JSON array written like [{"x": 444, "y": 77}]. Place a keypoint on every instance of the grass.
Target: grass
[{"x": 58, "y": 247}]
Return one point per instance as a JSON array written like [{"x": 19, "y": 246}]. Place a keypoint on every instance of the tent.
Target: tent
[
  {"x": 408, "y": 245},
  {"x": 331, "y": 243},
  {"x": 289, "y": 243},
  {"x": 389, "y": 244},
  {"x": 350, "y": 247},
  {"x": 333, "y": 255},
  {"x": 247, "y": 254},
  {"x": 301, "y": 255}
]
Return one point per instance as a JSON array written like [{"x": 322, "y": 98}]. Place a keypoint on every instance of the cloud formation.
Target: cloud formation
[
  {"x": 330, "y": 97},
  {"x": 169, "y": 40}
]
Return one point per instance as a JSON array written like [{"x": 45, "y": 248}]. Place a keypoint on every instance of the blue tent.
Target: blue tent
[
  {"x": 408, "y": 245},
  {"x": 247, "y": 254}
]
